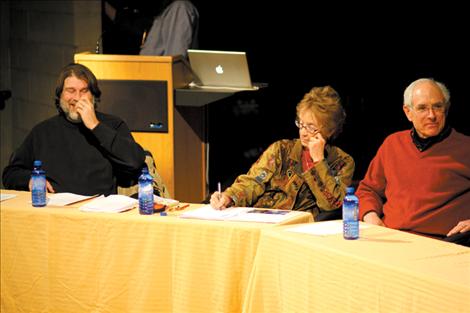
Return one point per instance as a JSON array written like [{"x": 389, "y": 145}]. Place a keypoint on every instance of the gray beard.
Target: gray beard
[{"x": 72, "y": 117}]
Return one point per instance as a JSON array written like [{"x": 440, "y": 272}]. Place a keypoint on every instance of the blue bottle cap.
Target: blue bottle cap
[
  {"x": 350, "y": 189},
  {"x": 37, "y": 163}
]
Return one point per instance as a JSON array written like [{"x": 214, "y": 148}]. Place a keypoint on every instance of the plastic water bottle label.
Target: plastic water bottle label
[
  {"x": 38, "y": 191},
  {"x": 146, "y": 199},
  {"x": 350, "y": 218},
  {"x": 350, "y": 230},
  {"x": 147, "y": 188}
]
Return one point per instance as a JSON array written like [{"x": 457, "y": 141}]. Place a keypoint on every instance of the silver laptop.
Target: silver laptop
[{"x": 220, "y": 70}]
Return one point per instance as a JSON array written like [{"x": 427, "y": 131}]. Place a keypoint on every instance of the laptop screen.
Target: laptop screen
[{"x": 220, "y": 68}]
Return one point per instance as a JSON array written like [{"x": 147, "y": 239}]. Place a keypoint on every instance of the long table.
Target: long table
[
  {"x": 65, "y": 260},
  {"x": 384, "y": 271}
]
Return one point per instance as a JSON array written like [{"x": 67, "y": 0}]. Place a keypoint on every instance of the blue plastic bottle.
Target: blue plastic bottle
[
  {"x": 350, "y": 215},
  {"x": 145, "y": 192},
  {"x": 38, "y": 189}
]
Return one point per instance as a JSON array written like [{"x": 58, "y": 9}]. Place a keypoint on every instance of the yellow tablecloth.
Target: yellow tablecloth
[
  {"x": 384, "y": 271},
  {"x": 64, "y": 260}
]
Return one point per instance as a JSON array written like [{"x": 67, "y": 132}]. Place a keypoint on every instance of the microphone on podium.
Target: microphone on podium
[{"x": 98, "y": 43}]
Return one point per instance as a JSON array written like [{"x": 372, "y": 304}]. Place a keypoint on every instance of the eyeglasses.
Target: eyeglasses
[
  {"x": 309, "y": 127},
  {"x": 422, "y": 109}
]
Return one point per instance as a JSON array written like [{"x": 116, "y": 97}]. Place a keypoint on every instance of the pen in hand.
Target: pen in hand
[
  {"x": 219, "y": 189},
  {"x": 217, "y": 198}
]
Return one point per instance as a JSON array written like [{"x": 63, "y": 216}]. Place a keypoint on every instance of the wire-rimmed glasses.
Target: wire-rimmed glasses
[{"x": 308, "y": 127}]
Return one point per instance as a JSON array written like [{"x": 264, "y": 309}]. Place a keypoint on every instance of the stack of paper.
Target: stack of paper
[
  {"x": 165, "y": 201},
  {"x": 111, "y": 204},
  {"x": 239, "y": 214},
  {"x": 65, "y": 198}
]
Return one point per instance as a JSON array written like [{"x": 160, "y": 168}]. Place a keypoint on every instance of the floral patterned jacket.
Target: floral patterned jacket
[{"x": 276, "y": 180}]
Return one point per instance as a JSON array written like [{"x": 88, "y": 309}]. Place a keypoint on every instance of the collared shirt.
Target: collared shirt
[
  {"x": 425, "y": 143},
  {"x": 307, "y": 161}
]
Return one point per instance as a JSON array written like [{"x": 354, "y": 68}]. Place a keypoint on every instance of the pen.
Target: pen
[
  {"x": 183, "y": 207},
  {"x": 219, "y": 189},
  {"x": 178, "y": 207}
]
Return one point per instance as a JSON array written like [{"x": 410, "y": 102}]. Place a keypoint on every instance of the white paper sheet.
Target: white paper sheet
[
  {"x": 110, "y": 204},
  {"x": 6, "y": 196},
  {"x": 264, "y": 216},
  {"x": 65, "y": 198},
  {"x": 208, "y": 213},
  {"x": 323, "y": 228},
  {"x": 239, "y": 214}
]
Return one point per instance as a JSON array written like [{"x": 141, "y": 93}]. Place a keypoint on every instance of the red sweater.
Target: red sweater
[{"x": 423, "y": 192}]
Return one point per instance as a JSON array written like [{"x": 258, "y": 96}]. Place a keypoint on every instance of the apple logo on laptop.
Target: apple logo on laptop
[{"x": 219, "y": 69}]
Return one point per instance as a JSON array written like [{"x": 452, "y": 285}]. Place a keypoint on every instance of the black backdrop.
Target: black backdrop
[{"x": 368, "y": 54}]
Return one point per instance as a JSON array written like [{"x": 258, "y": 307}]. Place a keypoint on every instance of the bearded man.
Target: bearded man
[{"x": 82, "y": 151}]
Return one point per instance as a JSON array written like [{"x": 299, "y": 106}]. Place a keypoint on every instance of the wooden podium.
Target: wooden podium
[{"x": 179, "y": 152}]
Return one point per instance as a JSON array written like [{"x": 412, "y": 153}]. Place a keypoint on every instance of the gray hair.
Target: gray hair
[{"x": 408, "y": 94}]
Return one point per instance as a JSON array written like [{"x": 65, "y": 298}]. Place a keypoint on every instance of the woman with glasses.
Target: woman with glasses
[{"x": 307, "y": 173}]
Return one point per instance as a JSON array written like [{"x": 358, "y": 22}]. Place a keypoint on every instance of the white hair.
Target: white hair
[{"x": 408, "y": 94}]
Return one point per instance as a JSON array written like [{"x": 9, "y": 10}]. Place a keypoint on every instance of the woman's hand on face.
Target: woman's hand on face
[{"x": 316, "y": 147}]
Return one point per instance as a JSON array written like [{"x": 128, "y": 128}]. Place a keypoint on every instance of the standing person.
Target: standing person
[
  {"x": 124, "y": 24},
  {"x": 82, "y": 151},
  {"x": 174, "y": 30},
  {"x": 306, "y": 174},
  {"x": 419, "y": 180}
]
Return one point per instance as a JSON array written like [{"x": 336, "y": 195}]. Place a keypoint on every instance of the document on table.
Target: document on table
[
  {"x": 65, "y": 198},
  {"x": 240, "y": 214},
  {"x": 110, "y": 204},
  {"x": 265, "y": 215},
  {"x": 206, "y": 212},
  {"x": 323, "y": 228},
  {"x": 165, "y": 201},
  {"x": 6, "y": 196}
]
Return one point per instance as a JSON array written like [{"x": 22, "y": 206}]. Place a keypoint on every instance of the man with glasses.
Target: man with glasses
[
  {"x": 306, "y": 174},
  {"x": 419, "y": 180}
]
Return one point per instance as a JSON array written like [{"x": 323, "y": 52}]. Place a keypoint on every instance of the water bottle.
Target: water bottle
[
  {"x": 145, "y": 192},
  {"x": 350, "y": 215},
  {"x": 38, "y": 189}
]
